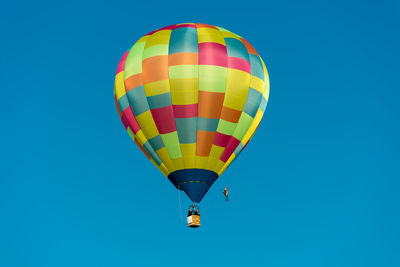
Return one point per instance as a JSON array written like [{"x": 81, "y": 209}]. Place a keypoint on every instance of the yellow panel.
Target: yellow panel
[
  {"x": 159, "y": 38},
  {"x": 216, "y": 151},
  {"x": 266, "y": 81},
  {"x": 238, "y": 83},
  {"x": 181, "y": 96},
  {"x": 140, "y": 137},
  {"x": 143, "y": 39},
  {"x": 146, "y": 123},
  {"x": 178, "y": 163},
  {"x": 119, "y": 86},
  {"x": 189, "y": 162},
  {"x": 164, "y": 169},
  {"x": 156, "y": 88},
  {"x": 150, "y": 130},
  {"x": 227, "y": 164},
  {"x": 253, "y": 126},
  {"x": 257, "y": 84},
  {"x": 184, "y": 83},
  {"x": 210, "y": 35},
  {"x": 230, "y": 35},
  {"x": 211, "y": 163},
  {"x": 266, "y": 91},
  {"x": 189, "y": 155},
  {"x": 219, "y": 166},
  {"x": 234, "y": 102},
  {"x": 164, "y": 156},
  {"x": 201, "y": 162},
  {"x": 188, "y": 149}
]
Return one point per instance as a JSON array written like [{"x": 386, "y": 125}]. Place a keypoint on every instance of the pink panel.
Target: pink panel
[
  {"x": 213, "y": 54},
  {"x": 121, "y": 64},
  {"x": 239, "y": 64}
]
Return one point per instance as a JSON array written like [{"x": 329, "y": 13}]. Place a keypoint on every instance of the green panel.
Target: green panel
[
  {"x": 225, "y": 30},
  {"x": 183, "y": 71},
  {"x": 242, "y": 126},
  {"x": 131, "y": 134},
  {"x": 212, "y": 78},
  {"x": 171, "y": 142},
  {"x": 155, "y": 50},
  {"x": 226, "y": 127},
  {"x": 133, "y": 63},
  {"x": 221, "y": 29}
]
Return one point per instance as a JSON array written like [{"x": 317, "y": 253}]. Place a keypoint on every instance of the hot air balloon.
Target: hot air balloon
[{"x": 191, "y": 97}]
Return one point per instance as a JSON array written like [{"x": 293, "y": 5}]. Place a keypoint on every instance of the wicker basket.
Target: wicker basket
[{"x": 193, "y": 221}]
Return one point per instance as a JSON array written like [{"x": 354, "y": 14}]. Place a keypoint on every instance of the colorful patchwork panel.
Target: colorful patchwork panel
[{"x": 191, "y": 96}]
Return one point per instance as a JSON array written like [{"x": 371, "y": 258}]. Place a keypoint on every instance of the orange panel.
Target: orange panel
[
  {"x": 183, "y": 59},
  {"x": 133, "y": 81},
  {"x": 249, "y": 47},
  {"x": 202, "y": 25},
  {"x": 210, "y": 104},
  {"x": 230, "y": 114},
  {"x": 155, "y": 69},
  {"x": 204, "y": 143}
]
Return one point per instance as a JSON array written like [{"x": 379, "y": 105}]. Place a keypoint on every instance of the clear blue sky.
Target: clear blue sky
[{"x": 317, "y": 186}]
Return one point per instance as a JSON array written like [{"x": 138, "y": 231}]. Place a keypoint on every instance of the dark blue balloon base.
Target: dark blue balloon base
[{"x": 194, "y": 182}]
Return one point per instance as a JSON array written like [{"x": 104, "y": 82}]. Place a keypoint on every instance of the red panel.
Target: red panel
[
  {"x": 231, "y": 146},
  {"x": 185, "y": 111},
  {"x": 130, "y": 120},
  {"x": 221, "y": 139},
  {"x": 170, "y": 27},
  {"x": 164, "y": 119},
  {"x": 185, "y": 26}
]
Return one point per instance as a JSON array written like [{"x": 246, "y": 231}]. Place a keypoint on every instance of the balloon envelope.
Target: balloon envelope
[{"x": 191, "y": 97}]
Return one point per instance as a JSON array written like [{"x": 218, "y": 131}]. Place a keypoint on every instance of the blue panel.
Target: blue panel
[
  {"x": 123, "y": 102},
  {"x": 194, "y": 182},
  {"x": 183, "y": 40},
  {"x": 236, "y": 48},
  {"x": 238, "y": 149},
  {"x": 156, "y": 142},
  {"x": 187, "y": 130},
  {"x": 152, "y": 153},
  {"x": 209, "y": 125},
  {"x": 159, "y": 101},
  {"x": 256, "y": 66},
  {"x": 252, "y": 102},
  {"x": 263, "y": 104},
  {"x": 138, "y": 100}
]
